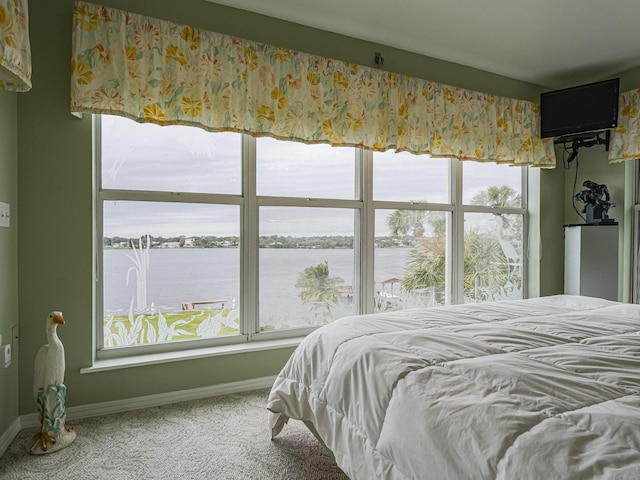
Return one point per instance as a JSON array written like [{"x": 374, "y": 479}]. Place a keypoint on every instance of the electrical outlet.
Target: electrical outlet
[{"x": 5, "y": 214}]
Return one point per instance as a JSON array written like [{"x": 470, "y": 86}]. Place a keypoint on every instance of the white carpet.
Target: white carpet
[{"x": 224, "y": 437}]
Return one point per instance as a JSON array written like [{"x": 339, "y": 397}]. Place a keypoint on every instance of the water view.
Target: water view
[{"x": 179, "y": 275}]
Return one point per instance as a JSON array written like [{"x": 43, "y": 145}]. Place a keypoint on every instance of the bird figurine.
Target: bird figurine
[{"x": 48, "y": 387}]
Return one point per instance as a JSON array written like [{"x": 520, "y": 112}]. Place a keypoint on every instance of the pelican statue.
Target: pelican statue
[{"x": 48, "y": 387}]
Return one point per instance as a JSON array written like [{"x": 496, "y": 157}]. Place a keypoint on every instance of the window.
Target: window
[
  {"x": 169, "y": 209},
  {"x": 307, "y": 211},
  {"x": 493, "y": 232},
  {"x": 307, "y": 266},
  {"x": 217, "y": 238},
  {"x": 412, "y": 231}
]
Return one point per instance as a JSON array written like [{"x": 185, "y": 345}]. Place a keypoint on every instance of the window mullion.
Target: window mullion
[
  {"x": 455, "y": 267},
  {"x": 367, "y": 233},
  {"x": 98, "y": 283},
  {"x": 307, "y": 202},
  {"x": 398, "y": 205},
  {"x": 524, "y": 203},
  {"x": 249, "y": 241},
  {"x": 170, "y": 197}
]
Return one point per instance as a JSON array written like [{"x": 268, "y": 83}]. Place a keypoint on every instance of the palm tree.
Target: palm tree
[
  {"x": 486, "y": 263},
  {"x": 401, "y": 222},
  {"x": 426, "y": 265},
  {"x": 495, "y": 196},
  {"x": 486, "y": 269},
  {"x": 320, "y": 289}
]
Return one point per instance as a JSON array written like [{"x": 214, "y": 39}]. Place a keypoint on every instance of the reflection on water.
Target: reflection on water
[{"x": 180, "y": 275}]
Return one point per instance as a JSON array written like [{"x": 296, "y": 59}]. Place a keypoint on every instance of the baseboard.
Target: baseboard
[
  {"x": 104, "y": 408},
  {"x": 8, "y": 435}
]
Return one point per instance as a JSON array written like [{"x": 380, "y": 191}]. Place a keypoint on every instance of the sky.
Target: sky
[{"x": 189, "y": 159}]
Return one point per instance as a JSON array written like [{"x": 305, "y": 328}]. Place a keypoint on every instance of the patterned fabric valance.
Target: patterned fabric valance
[
  {"x": 625, "y": 139},
  {"x": 156, "y": 71},
  {"x": 15, "y": 48}
]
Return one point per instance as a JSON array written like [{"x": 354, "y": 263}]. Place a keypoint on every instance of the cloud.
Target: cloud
[
  {"x": 174, "y": 158},
  {"x": 177, "y": 158},
  {"x": 134, "y": 219}
]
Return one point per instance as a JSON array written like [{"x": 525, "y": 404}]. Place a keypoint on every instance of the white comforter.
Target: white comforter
[{"x": 545, "y": 388}]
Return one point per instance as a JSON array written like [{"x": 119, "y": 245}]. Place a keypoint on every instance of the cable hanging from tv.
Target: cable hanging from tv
[{"x": 584, "y": 140}]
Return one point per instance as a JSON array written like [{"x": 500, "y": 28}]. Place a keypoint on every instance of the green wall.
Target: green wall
[
  {"x": 629, "y": 79},
  {"x": 8, "y": 254},
  {"x": 55, "y": 178},
  {"x": 593, "y": 164},
  {"x": 551, "y": 254}
]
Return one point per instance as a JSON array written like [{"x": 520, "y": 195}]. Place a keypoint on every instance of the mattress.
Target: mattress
[{"x": 538, "y": 388}]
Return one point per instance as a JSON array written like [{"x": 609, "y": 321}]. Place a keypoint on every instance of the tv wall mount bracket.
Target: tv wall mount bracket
[{"x": 587, "y": 140}]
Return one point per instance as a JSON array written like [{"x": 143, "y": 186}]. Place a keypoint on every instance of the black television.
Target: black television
[{"x": 574, "y": 111}]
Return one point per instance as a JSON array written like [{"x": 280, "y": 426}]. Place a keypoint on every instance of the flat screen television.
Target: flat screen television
[{"x": 577, "y": 110}]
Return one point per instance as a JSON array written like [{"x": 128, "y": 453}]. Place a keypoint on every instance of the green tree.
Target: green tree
[
  {"x": 401, "y": 222},
  {"x": 486, "y": 270},
  {"x": 320, "y": 289},
  {"x": 495, "y": 196},
  {"x": 488, "y": 256}
]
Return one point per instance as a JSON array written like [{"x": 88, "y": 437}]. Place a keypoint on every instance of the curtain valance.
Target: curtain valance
[
  {"x": 156, "y": 71},
  {"x": 625, "y": 138},
  {"x": 15, "y": 48}
]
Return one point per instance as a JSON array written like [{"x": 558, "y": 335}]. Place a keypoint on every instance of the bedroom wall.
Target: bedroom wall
[
  {"x": 551, "y": 253},
  {"x": 8, "y": 254},
  {"x": 55, "y": 175},
  {"x": 593, "y": 164}
]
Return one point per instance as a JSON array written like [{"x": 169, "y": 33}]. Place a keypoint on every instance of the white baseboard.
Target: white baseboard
[
  {"x": 104, "y": 408},
  {"x": 8, "y": 435}
]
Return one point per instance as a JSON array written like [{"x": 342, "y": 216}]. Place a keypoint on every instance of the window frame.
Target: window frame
[
  {"x": 249, "y": 203},
  {"x": 487, "y": 209},
  {"x": 635, "y": 232},
  {"x": 448, "y": 207},
  {"x": 253, "y": 216}
]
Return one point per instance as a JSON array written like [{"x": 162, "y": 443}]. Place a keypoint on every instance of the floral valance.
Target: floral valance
[
  {"x": 156, "y": 71},
  {"x": 625, "y": 139},
  {"x": 15, "y": 48}
]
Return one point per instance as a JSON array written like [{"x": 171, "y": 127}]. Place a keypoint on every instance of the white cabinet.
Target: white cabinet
[{"x": 591, "y": 260}]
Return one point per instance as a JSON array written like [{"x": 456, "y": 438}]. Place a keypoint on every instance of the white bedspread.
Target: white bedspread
[{"x": 545, "y": 388}]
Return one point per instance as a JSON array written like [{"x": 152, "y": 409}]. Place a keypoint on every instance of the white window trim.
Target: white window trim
[
  {"x": 249, "y": 203},
  {"x": 633, "y": 236}
]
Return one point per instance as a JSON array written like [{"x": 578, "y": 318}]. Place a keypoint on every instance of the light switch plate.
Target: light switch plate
[
  {"x": 5, "y": 355},
  {"x": 5, "y": 214}
]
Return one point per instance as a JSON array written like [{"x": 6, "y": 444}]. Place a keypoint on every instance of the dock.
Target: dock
[{"x": 190, "y": 305}]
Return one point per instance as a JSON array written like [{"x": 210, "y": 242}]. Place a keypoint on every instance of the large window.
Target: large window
[{"x": 210, "y": 238}]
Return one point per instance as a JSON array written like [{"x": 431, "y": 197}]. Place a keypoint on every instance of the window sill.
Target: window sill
[{"x": 167, "y": 357}]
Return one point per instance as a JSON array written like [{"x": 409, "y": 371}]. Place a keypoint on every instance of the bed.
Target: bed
[{"x": 540, "y": 388}]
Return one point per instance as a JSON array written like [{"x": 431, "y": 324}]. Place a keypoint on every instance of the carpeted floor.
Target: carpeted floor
[{"x": 224, "y": 438}]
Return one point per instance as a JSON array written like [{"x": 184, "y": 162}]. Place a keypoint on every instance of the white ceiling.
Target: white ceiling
[{"x": 552, "y": 43}]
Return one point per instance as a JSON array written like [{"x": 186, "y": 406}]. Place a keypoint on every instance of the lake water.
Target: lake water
[{"x": 177, "y": 275}]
